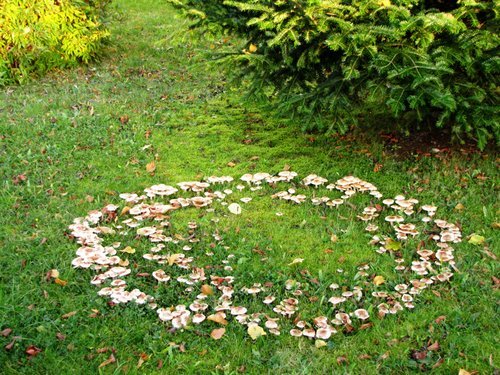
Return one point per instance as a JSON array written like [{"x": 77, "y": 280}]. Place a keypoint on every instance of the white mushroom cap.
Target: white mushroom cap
[
  {"x": 296, "y": 332},
  {"x": 361, "y": 314}
]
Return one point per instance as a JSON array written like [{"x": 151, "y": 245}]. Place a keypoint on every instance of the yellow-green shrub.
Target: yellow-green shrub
[{"x": 38, "y": 35}]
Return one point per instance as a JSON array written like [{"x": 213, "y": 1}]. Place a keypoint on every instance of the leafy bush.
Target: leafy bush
[
  {"x": 37, "y": 35},
  {"x": 431, "y": 62}
]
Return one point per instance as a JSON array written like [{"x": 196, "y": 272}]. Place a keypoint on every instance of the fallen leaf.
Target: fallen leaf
[
  {"x": 32, "y": 351},
  {"x": 334, "y": 238},
  {"x": 255, "y": 331},
  {"x": 58, "y": 281},
  {"x": 296, "y": 261},
  {"x": 365, "y": 326},
  {"x": 433, "y": 347},
  {"x": 319, "y": 343},
  {"x": 231, "y": 164},
  {"x": 390, "y": 244},
  {"x": 438, "y": 363},
  {"x": 54, "y": 274},
  {"x": 6, "y": 332},
  {"x": 459, "y": 207},
  {"x": 440, "y": 319},
  {"x": 142, "y": 358},
  {"x": 217, "y": 318},
  {"x": 69, "y": 315},
  {"x": 60, "y": 336},
  {"x": 234, "y": 208},
  {"x": 128, "y": 250},
  {"x": 342, "y": 360},
  {"x": 385, "y": 355},
  {"x": 252, "y": 48},
  {"x": 207, "y": 290},
  {"x": 377, "y": 167},
  {"x": 476, "y": 239},
  {"x": 378, "y": 280},
  {"x": 108, "y": 361},
  {"x": 10, "y": 345},
  {"x": 463, "y": 372},
  {"x": 151, "y": 167},
  {"x": 217, "y": 333},
  {"x": 125, "y": 210},
  {"x": 173, "y": 258}
]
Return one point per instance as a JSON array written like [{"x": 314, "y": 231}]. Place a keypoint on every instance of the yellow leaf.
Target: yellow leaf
[
  {"x": 151, "y": 167},
  {"x": 60, "y": 282},
  {"x": 379, "y": 280},
  {"x": 463, "y": 372},
  {"x": 173, "y": 258},
  {"x": 476, "y": 239},
  {"x": 54, "y": 274},
  {"x": 207, "y": 290},
  {"x": 296, "y": 261},
  {"x": 128, "y": 250},
  {"x": 217, "y": 333},
  {"x": 334, "y": 238},
  {"x": 255, "y": 331},
  {"x": 319, "y": 343},
  {"x": 125, "y": 210},
  {"x": 252, "y": 48}
]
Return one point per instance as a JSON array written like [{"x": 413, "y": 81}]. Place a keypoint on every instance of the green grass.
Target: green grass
[{"x": 63, "y": 134}]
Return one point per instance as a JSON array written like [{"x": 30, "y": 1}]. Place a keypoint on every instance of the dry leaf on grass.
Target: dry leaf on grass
[{"x": 217, "y": 333}]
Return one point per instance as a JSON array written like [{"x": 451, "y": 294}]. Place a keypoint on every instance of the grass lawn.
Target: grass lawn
[{"x": 73, "y": 141}]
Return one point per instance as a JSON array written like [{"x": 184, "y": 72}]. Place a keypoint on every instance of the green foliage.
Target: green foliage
[
  {"x": 422, "y": 62},
  {"x": 38, "y": 35}
]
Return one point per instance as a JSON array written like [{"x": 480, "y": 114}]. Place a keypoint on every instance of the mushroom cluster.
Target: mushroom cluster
[{"x": 218, "y": 295}]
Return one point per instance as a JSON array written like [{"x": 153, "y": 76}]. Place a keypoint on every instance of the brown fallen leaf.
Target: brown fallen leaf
[
  {"x": 342, "y": 360},
  {"x": 385, "y": 355},
  {"x": 463, "y": 372},
  {"x": 60, "y": 336},
  {"x": 440, "y": 319},
  {"x": 143, "y": 357},
  {"x": 377, "y": 167},
  {"x": 32, "y": 351},
  {"x": 108, "y": 361},
  {"x": 364, "y": 356},
  {"x": 217, "y": 333},
  {"x": 151, "y": 167},
  {"x": 58, "y": 281},
  {"x": 438, "y": 363},
  {"x": 6, "y": 332},
  {"x": 217, "y": 318},
  {"x": 10, "y": 345},
  {"x": 69, "y": 315},
  {"x": 365, "y": 326},
  {"x": 231, "y": 164},
  {"x": 433, "y": 347},
  {"x": 207, "y": 290}
]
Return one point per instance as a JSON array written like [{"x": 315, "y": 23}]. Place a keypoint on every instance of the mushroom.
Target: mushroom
[{"x": 361, "y": 314}]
